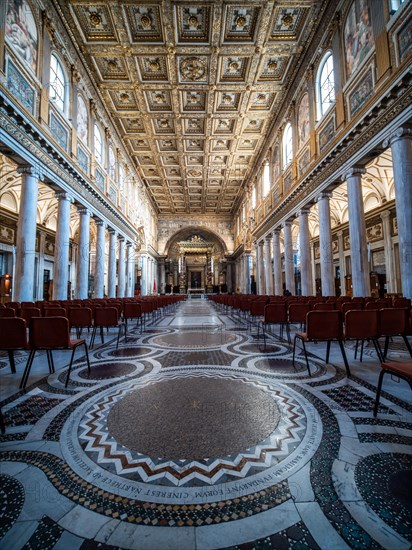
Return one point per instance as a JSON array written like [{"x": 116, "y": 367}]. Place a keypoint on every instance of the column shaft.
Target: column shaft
[
  {"x": 325, "y": 245},
  {"x": 61, "y": 256},
  {"x": 100, "y": 256},
  {"x": 388, "y": 247},
  {"x": 111, "y": 290},
  {"x": 26, "y": 237},
  {"x": 305, "y": 266},
  {"x": 357, "y": 234},
  {"x": 342, "y": 266},
  {"x": 268, "y": 266},
  {"x": 289, "y": 264},
  {"x": 83, "y": 255},
  {"x": 262, "y": 282},
  {"x": 277, "y": 263},
  {"x": 122, "y": 269}
]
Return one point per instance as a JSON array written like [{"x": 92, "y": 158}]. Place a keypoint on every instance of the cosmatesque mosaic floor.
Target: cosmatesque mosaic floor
[{"x": 191, "y": 436}]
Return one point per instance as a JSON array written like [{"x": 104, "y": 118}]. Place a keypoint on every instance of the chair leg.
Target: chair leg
[
  {"x": 361, "y": 350},
  {"x": 12, "y": 362},
  {"x": 378, "y": 350},
  {"x": 407, "y": 344},
  {"x": 93, "y": 337},
  {"x": 345, "y": 359},
  {"x": 385, "y": 349},
  {"x": 2, "y": 424},
  {"x": 327, "y": 351},
  {"x": 378, "y": 393},
  {"x": 288, "y": 333},
  {"x": 102, "y": 333},
  {"x": 70, "y": 367},
  {"x": 118, "y": 336},
  {"x": 306, "y": 357},
  {"x": 49, "y": 361},
  {"x": 356, "y": 349},
  {"x": 27, "y": 369}
]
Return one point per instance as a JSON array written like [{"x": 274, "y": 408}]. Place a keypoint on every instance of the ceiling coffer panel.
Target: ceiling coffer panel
[{"x": 192, "y": 87}]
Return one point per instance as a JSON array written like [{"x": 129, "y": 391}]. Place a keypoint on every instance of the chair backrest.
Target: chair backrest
[
  {"x": 276, "y": 312},
  {"x": 147, "y": 306},
  {"x": 324, "y": 306},
  {"x": 361, "y": 324},
  {"x": 349, "y": 306},
  {"x": 257, "y": 307},
  {"x": 54, "y": 312},
  {"x": 49, "y": 332},
  {"x": 106, "y": 316},
  {"x": 393, "y": 321},
  {"x": 27, "y": 304},
  {"x": 7, "y": 312},
  {"x": 13, "y": 305},
  {"x": 12, "y": 333},
  {"x": 131, "y": 310},
  {"x": 401, "y": 302},
  {"x": 27, "y": 313},
  {"x": 324, "y": 325},
  {"x": 80, "y": 316},
  {"x": 298, "y": 312}
]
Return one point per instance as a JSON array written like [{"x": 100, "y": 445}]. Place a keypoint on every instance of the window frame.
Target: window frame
[
  {"x": 101, "y": 153},
  {"x": 322, "y": 106},
  {"x": 60, "y": 101},
  {"x": 287, "y": 158}
]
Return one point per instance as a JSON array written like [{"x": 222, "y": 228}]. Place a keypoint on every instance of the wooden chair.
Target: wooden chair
[
  {"x": 275, "y": 314},
  {"x": 106, "y": 317},
  {"x": 51, "y": 333},
  {"x": 401, "y": 370},
  {"x": 361, "y": 325},
  {"x": 322, "y": 326},
  {"x": 13, "y": 337}
]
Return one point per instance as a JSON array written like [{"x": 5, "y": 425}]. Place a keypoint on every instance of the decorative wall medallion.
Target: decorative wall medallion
[
  {"x": 167, "y": 145},
  {"x": 240, "y": 24},
  {"x": 163, "y": 126},
  {"x": 145, "y": 23},
  {"x": 194, "y": 126},
  {"x": 193, "y": 24},
  {"x": 132, "y": 125},
  {"x": 261, "y": 101},
  {"x": 194, "y": 144},
  {"x": 273, "y": 68},
  {"x": 124, "y": 99},
  {"x": 254, "y": 125},
  {"x": 193, "y": 69},
  {"x": 234, "y": 69},
  {"x": 159, "y": 100},
  {"x": 193, "y": 101},
  {"x": 224, "y": 125},
  {"x": 111, "y": 68},
  {"x": 228, "y": 101}
]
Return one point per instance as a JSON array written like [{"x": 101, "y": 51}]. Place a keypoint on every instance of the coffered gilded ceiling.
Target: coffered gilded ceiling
[{"x": 192, "y": 87}]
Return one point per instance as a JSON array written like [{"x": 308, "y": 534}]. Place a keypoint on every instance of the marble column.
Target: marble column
[
  {"x": 26, "y": 236},
  {"x": 83, "y": 254},
  {"x": 305, "y": 266},
  {"x": 257, "y": 268},
  {"x": 388, "y": 248},
  {"x": 342, "y": 264},
  {"x": 268, "y": 265},
  {"x": 130, "y": 273},
  {"x": 143, "y": 279},
  {"x": 122, "y": 269},
  {"x": 277, "y": 263},
  {"x": 401, "y": 146},
  {"x": 325, "y": 246},
  {"x": 262, "y": 282},
  {"x": 61, "y": 255},
  {"x": 246, "y": 287},
  {"x": 289, "y": 264},
  {"x": 229, "y": 276},
  {"x": 100, "y": 257},
  {"x": 357, "y": 233},
  {"x": 162, "y": 275},
  {"x": 111, "y": 290},
  {"x": 39, "y": 290},
  {"x": 175, "y": 273},
  {"x": 313, "y": 266}
]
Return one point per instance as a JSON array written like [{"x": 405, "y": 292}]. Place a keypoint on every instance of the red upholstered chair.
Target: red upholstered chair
[
  {"x": 80, "y": 318},
  {"x": 401, "y": 302},
  {"x": 7, "y": 312},
  {"x": 349, "y": 306},
  {"x": 257, "y": 309},
  {"x": 132, "y": 310},
  {"x": 148, "y": 307},
  {"x": 106, "y": 317},
  {"x": 51, "y": 333},
  {"x": 27, "y": 313},
  {"x": 363, "y": 325},
  {"x": 27, "y": 304},
  {"x": 297, "y": 314},
  {"x": 13, "y": 337},
  {"x": 394, "y": 322},
  {"x": 13, "y": 305},
  {"x": 400, "y": 370},
  {"x": 275, "y": 314},
  {"x": 322, "y": 326},
  {"x": 324, "y": 306},
  {"x": 54, "y": 312}
]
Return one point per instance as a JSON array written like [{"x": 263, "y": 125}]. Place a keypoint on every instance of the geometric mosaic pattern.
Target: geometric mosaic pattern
[{"x": 318, "y": 471}]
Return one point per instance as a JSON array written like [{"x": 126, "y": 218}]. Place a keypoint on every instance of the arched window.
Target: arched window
[
  {"x": 82, "y": 120},
  {"x": 325, "y": 85},
  {"x": 112, "y": 164},
  {"x": 266, "y": 179},
  {"x": 287, "y": 145},
  {"x": 98, "y": 144},
  {"x": 57, "y": 84}
]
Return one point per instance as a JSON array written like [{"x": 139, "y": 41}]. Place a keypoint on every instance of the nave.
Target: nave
[{"x": 191, "y": 435}]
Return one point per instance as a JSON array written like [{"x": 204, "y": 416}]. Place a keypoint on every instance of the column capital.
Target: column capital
[
  {"x": 99, "y": 222},
  {"x": 83, "y": 210},
  {"x": 324, "y": 195},
  {"x": 276, "y": 231},
  {"x": 385, "y": 215},
  {"x": 30, "y": 170},
  {"x": 304, "y": 211},
  {"x": 129, "y": 243},
  {"x": 268, "y": 238},
  {"x": 112, "y": 231},
  {"x": 261, "y": 243},
  {"x": 354, "y": 171},
  {"x": 399, "y": 133},
  {"x": 339, "y": 233},
  {"x": 287, "y": 223},
  {"x": 63, "y": 195},
  {"x": 121, "y": 238}
]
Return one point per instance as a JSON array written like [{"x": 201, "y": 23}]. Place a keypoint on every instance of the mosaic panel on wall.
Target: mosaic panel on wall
[
  {"x": 59, "y": 132},
  {"x": 19, "y": 87},
  {"x": 361, "y": 94},
  {"x": 405, "y": 40},
  {"x": 82, "y": 120},
  {"x": 303, "y": 119}
]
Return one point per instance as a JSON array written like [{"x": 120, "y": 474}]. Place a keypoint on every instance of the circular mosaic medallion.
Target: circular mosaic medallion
[
  {"x": 129, "y": 352},
  {"x": 193, "y": 418},
  {"x": 256, "y": 348},
  {"x": 107, "y": 370},
  {"x": 214, "y": 435},
  {"x": 11, "y": 502},
  {"x": 195, "y": 339}
]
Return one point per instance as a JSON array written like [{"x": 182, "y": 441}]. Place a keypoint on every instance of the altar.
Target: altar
[{"x": 195, "y": 293}]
